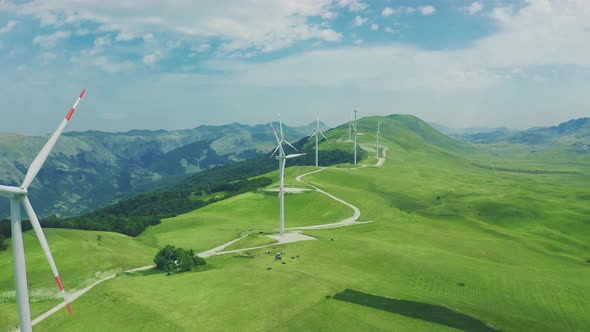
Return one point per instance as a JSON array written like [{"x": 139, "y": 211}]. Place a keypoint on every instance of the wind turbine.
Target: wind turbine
[
  {"x": 282, "y": 158},
  {"x": 18, "y": 197},
  {"x": 349, "y": 127},
  {"x": 378, "y": 134},
  {"x": 355, "y": 135},
  {"x": 317, "y": 132}
]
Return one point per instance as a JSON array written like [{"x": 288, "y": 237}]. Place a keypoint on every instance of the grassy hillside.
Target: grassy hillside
[
  {"x": 81, "y": 257},
  {"x": 505, "y": 248}
]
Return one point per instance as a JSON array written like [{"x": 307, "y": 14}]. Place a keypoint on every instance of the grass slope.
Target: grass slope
[
  {"x": 80, "y": 258},
  {"x": 506, "y": 248}
]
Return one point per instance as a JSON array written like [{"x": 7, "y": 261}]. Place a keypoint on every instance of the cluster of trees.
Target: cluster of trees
[
  {"x": 175, "y": 260},
  {"x": 133, "y": 215}
]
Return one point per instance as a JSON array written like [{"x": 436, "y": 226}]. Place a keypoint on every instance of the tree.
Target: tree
[
  {"x": 184, "y": 261},
  {"x": 171, "y": 259},
  {"x": 164, "y": 257}
]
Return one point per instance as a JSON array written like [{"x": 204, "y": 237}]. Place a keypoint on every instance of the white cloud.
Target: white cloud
[
  {"x": 152, "y": 59},
  {"x": 329, "y": 15},
  {"x": 502, "y": 14},
  {"x": 525, "y": 39},
  {"x": 387, "y": 11},
  {"x": 391, "y": 30},
  {"x": 331, "y": 35},
  {"x": 474, "y": 8},
  {"x": 427, "y": 10},
  {"x": 374, "y": 27},
  {"x": 353, "y": 5},
  {"x": 358, "y": 41},
  {"x": 106, "y": 64},
  {"x": 359, "y": 21},
  {"x": 253, "y": 25},
  {"x": 52, "y": 39},
  {"x": 8, "y": 27}
]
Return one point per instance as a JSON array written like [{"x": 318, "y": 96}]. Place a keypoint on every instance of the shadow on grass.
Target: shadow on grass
[{"x": 428, "y": 312}]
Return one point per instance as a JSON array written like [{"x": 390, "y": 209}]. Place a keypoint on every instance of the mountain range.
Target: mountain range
[
  {"x": 573, "y": 135},
  {"x": 92, "y": 168}
]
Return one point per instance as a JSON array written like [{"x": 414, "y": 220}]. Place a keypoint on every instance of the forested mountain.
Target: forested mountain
[{"x": 92, "y": 168}]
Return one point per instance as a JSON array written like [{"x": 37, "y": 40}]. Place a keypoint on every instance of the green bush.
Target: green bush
[{"x": 171, "y": 259}]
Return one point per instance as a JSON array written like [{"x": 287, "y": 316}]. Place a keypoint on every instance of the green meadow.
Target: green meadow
[{"x": 502, "y": 245}]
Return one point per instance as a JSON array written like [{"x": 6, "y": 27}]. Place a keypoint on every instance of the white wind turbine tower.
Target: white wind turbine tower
[
  {"x": 355, "y": 135},
  {"x": 378, "y": 134},
  {"x": 282, "y": 158},
  {"x": 317, "y": 132},
  {"x": 18, "y": 196},
  {"x": 349, "y": 127}
]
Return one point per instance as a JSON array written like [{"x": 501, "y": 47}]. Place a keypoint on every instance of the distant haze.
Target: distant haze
[{"x": 497, "y": 64}]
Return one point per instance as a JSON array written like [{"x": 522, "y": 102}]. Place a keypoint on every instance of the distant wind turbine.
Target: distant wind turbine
[
  {"x": 317, "y": 132},
  {"x": 282, "y": 158},
  {"x": 349, "y": 127},
  {"x": 18, "y": 197},
  {"x": 355, "y": 136},
  {"x": 378, "y": 134}
]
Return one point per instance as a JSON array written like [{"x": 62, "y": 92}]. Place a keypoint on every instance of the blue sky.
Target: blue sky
[{"x": 179, "y": 64}]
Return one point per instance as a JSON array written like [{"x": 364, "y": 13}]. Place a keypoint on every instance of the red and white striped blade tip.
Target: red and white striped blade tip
[
  {"x": 82, "y": 93},
  {"x": 61, "y": 289}
]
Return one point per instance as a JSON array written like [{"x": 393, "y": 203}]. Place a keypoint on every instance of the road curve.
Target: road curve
[{"x": 219, "y": 249}]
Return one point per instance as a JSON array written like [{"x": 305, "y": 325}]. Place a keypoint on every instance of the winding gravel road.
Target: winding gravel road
[{"x": 288, "y": 238}]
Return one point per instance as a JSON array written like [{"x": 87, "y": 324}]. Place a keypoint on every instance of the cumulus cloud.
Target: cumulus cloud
[
  {"x": 374, "y": 27},
  {"x": 253, "y": 25},
  {"x": 51, "y": 39},
  {"x": 427, "y": 10},
  {"x": 525, "y": 40},
  {"x": 152, "y": 59},
  {"x": 353, "y": 5},
  {"x": 359, "y": 21},
  {"x": 474, "y": 8},
  {"x": 331, "y": 35},
  {"x": 8, "y": 27},
  {"x": 387, "y": 11}
]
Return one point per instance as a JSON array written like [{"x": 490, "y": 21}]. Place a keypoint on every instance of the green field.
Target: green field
[{"x": 505, "y": 248}]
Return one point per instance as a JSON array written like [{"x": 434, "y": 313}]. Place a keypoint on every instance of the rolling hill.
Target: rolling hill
[{"x": 448, "y": 245}]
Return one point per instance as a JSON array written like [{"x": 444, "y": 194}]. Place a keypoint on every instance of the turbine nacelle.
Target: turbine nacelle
[
  {"x": 10, "y": 192},
  {"x": 280, "y": 141}
]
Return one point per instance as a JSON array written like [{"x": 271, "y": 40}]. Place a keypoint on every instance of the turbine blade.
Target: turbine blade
[
  {"x": 281, "y": 127},
  {"x": 312, "y": 135},
  {"x": 42, "y": 156},
  {"x": 323, "y": 135},
  {"x": 274, "y": 132},
  {"x": 295, "y": 155},
  {"x": 41, "y": 236},
  {"x": 11, "y": 191},
  {"x": 289, "y": 144}
]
